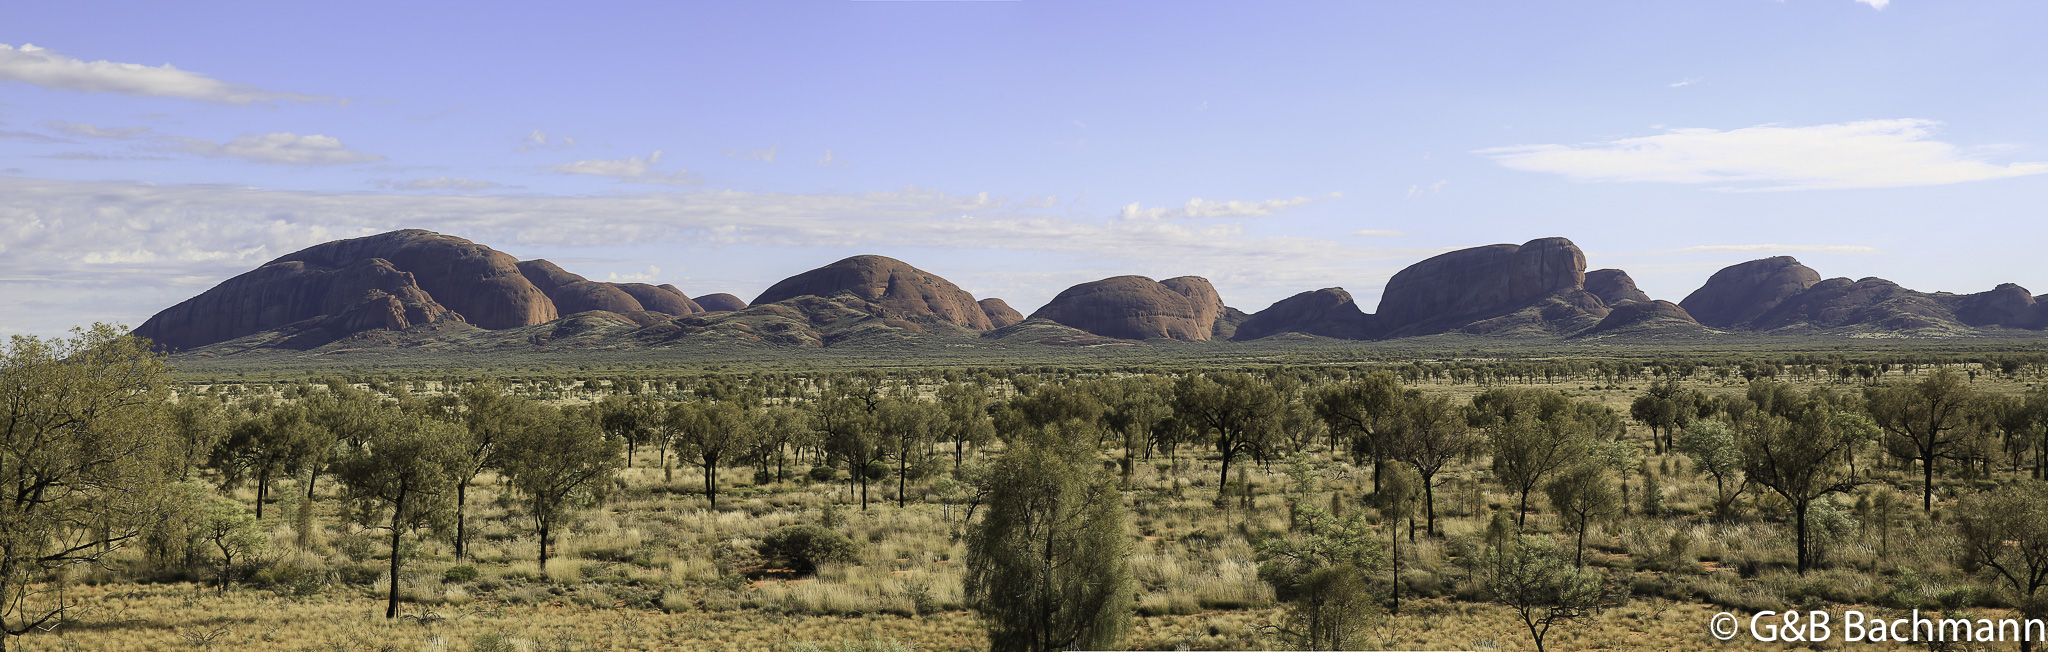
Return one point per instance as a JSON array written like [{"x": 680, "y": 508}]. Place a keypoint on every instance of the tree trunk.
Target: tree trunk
[
  {"x": 1927, "y": 486},
  {"x": 1801, "y": 507},
  {"x": 262, "y": 490},
  {"x": 1429, "y": 503},
  {"x": 397, "y": 511},
  {"x": 1396, "y": 584},
  {"x": 545, "y": 538},
  {"x": 461, "y": 519}
]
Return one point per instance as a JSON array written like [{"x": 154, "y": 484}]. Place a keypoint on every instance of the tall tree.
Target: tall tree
[
  {"x": 1047, "y": 567},
  {"x": 1712, "y": 447},
  {"x": 86, "y": 452},
  {"x": 1364, "y": 409},
  {"x": 1527, "y": 449},
  {"x": 409, "y": 469},
  {"x": 907, "y": 426},
  {"x": 1802, "y": 459},
  {"x": 1581, "y": 494},
  {"x": 1429, "y": 434},
  {"x": 554, "y": 461},
  {"x": 1922, "y": 421},
  {"x": 2006, "y": 531},
  {"x": 1535, "y": 580},
  {"x": 1238, "y": 409},
  {"x": 711, "y": 434},
  {"x": 490, "y": 417}
]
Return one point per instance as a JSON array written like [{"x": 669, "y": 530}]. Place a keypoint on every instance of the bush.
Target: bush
[
  {"x": 459, "y": 574},
  {"x": 802, "y": 547},
  {"x": 823, "y": 473}
]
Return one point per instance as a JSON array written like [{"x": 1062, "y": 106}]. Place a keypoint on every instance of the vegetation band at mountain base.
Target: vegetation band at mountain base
[{"x": 1439, "y": 492}]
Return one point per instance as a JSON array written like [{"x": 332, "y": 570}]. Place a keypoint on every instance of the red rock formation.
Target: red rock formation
[
  {"x": 1466, "y": 286},
  {"x": 665, "y": 299},
  {"x": 1000, "y": 314},
  {"x": 431, "y": 277},
  {"x": 546, "y": 275},
  {"x": 899, "y": 290},
  {"x": 1638, "y": 313},
  {"x": 1136, "y": 308},
  {"x": 1742, "y": 292},
  {"x": 592, "y": 295},
  {"x": 1329, "y": 312},
  {"x": 2006, "y": 305},
  {"x": 721, "y": 302},
  {"x": 1614, "y": 287}
]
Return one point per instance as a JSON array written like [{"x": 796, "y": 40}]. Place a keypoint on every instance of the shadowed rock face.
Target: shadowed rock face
[
  {"x": 1184, "y": 308},
  {"x": 2006, "y": 305},
  {"x": 665, "y": 299},
  {"x": 1543, "y": 266},
  {"x": 1869, "y": 302},
  {"x": 1614, "y": 287},
  {"x": 591, "y": 295},
  {"x": 1000, "y": 314},
  {"x": 547, "y": 276},
  {"x": 1742, "y": 292},
  {"x": 1449, "y": 290},
  {"x": 1329, "y": 312},
  {"x": 721, "y": 302},
  {"x": 426, "y": 276},
  {"x": 1640, "y": 312},
  {"x": 899, "y": 290}
]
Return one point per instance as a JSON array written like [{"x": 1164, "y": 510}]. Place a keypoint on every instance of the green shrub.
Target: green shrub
[
  {"x": 823, "y": 473},
  {"x": 802, "y": 547},
  {"x": 459, "y": 574}
]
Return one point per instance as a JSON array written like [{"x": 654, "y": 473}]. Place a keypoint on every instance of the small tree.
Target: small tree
[
  {"x": 553, "y": 462},
  {"x": 1543, "y": 588},
  {"x": 1364, "y": 409},
  {"x": 1395, "y": 502},
  {"x": 1332, "y": 609},
  {"x": 1581, "y": 494},
  {"x": 1238, "y": 409},
  {"x": 1922, "y": 421},
  {"x": 1712, "y": 447},
  {"x": 1802, "y": 461},
  {"x": 232, "y": 530},
  {"x": 1526, "y": 450},
  {"x": 408, "y": 469},
  {"x": 1429, "y": 434},
  {"x": 710, "y": 434},
  {"x": 1048, "y": 567},
  {"x": 2006, "y": 531}
]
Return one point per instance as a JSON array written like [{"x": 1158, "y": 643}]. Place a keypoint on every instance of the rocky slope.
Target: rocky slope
[
  {"x": 1185, "y": 308},
  {"x": 1328, "y": 312},
  {"x": 1536, "y": 288},
  {"x": 1000, "y": 314},
  {"x": 893, "y": 286},
  {"x": 721, "y": 302}
]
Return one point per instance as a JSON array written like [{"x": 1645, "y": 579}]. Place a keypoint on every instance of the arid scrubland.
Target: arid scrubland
[{"x": 642, "y": 559}]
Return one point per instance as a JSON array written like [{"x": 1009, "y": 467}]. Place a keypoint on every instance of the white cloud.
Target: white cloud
[
  {"x": 645, "y": 276},
  {"x": 1199, "y": 208},
  {"x": 829, "y": 160},
  {"x": 83, "y": 129},
  {"x": 280, "y": 149},
  {"x": 436, "y": 183},
  {"x": 762, "y": 155},
  {"x": 632, "y": 169},
  {"x": 1682, "y": 83},
  {"x": 46, "y": 68},
  {"x": 1380, "y": 233},
  {"x": 540, "y": 140},
  {"x": 1419, "y": 190},
  {"x": 1782, "y": 248},
  {"x": 32, "y": 137},
  {"x": 1876, "y": 4},
  {"x": 1866, "y": 154}
]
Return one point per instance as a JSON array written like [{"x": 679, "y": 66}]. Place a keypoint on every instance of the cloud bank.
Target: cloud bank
[
  {"x": 48, "y": 69},
  {"x": 1866, "y": 154}
]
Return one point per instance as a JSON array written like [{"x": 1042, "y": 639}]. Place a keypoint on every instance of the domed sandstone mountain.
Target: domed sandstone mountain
[
  {"x": 1185, "y": 308},
  {"x": 999, "y": 313},
  {"x": 721, "y": 302},
  {"x": 1742, "y": 292},
  {"x": 1614, "y": 287},
  {"x": 899, "y": 290},
  {"x": 1329, "y": 312},
  {"x": 430, "y": 277}
]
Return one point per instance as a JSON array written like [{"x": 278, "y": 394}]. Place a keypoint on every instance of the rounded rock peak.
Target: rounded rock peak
[{"x": 900, "y": 290}]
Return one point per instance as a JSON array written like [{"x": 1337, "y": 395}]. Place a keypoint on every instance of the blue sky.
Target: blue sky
[{"x": 148, "y": 152}]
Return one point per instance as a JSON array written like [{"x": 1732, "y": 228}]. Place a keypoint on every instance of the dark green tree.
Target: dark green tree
[{"x": 1048, "y": 567}]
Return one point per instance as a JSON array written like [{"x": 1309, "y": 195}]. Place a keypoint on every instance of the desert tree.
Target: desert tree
[
  {"x": 1923, "y": 422},
  {"x": 628, "y": 419},
  {"x": 231, "y": 529},
  {"x": 966, "y": 421},
  {"x": 776, "y": 429},
  {"x": 1581, "y": 494},
  {"x": 1430, "y": 433},
  {"x": 403, "y": 479},
  {"x": 1048, "y": 566},
  {"x": 1363, "y": 409},
  {"x": 86, "y": 452},
  {"x": 489, "y": 417},
  {"x": 1527, "y": 450},
  {"x": 1802, "y": 459},
  {"x": 1239, "y": 410},
  {"x": 199, "y": 423},
  {"x": 1544, "y": 589},
  {"x": 2006, "y": 531},
  {"x": 907, "y": 427},
  {"x": 1395, "y": 502},
  {"x": 709, "y": 435},
  {"x": 1134, "y": 412},
  {"x": 553, "y": 462},
  {"x": 1712, "y": 447}
]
